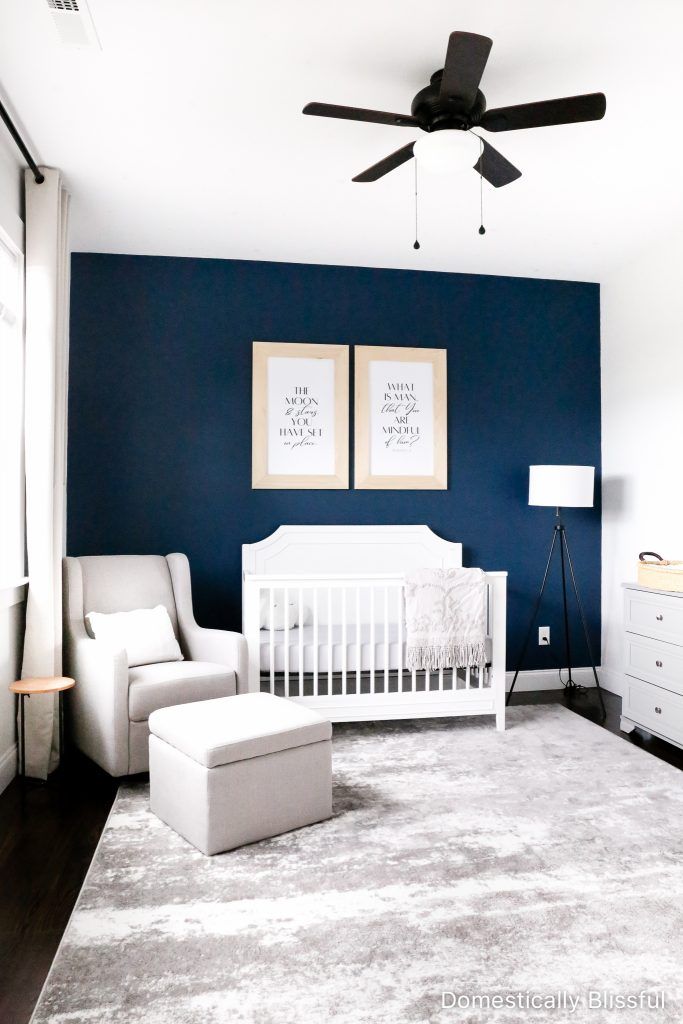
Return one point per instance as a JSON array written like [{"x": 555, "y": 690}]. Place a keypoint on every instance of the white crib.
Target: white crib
[{"x": 348, "y": 658}]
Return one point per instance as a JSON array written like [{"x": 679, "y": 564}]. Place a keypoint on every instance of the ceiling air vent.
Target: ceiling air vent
[{"x": 74, "y": 23}]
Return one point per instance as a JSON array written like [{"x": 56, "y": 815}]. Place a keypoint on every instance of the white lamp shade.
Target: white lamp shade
[
  {"x": 448, "y": 151},
  {"x": 561, "y": 486}
]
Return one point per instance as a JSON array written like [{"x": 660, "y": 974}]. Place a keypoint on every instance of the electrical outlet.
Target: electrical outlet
[{"x": 543, "y": 636}]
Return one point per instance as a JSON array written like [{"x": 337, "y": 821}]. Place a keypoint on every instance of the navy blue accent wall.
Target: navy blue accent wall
[{"x": 160, "y": 413}]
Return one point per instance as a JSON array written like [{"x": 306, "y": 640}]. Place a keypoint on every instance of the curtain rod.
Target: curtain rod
[{"x": 40, "y": 178}]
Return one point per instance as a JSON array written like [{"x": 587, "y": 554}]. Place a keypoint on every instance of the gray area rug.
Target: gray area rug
[{"x": 467, "y": 875}]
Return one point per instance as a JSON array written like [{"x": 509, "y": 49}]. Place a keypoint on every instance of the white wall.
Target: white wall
[
  {"x": 11, "y": 202},
  {"x": 642, "y": 425},
  {"x": 11, "y": 613}
]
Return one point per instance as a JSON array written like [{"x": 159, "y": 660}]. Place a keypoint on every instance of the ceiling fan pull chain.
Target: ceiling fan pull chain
[
  {"x": 482, "y": 229},
  {"x": 416, "y": 244}
]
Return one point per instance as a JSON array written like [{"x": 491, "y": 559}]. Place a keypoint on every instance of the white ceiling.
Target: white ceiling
[{"x": 184, "y": 134}]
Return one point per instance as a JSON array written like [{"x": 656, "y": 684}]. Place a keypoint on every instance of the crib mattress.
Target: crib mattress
[{"x": 383, "y": 653}]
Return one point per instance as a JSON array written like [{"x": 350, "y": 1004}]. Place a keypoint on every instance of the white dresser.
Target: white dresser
[{"x": 653, "y": 692}]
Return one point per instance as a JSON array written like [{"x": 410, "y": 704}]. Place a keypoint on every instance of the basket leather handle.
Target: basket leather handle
[{"x": 653, "y": 554}]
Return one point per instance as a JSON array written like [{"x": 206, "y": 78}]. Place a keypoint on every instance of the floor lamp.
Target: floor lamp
[{"x": 561, "y": 487}]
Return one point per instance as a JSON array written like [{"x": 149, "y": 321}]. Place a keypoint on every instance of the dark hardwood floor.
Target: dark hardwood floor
[{"x": 48, "y": 837}]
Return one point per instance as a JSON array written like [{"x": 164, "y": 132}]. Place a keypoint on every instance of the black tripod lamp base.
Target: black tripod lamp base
[{"x": 559, "y": 539}]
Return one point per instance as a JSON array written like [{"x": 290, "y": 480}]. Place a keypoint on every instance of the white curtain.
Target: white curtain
[{"x": 47, "y": 350}]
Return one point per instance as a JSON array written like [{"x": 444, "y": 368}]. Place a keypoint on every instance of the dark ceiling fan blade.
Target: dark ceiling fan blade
[
  {"x": 465, "y": 62},
  {"x": 389, "y": 163},
  {"x": 568, "y": 110},
  {"x": 493, "y": 166},
  {"x": 360, "y": 114}
]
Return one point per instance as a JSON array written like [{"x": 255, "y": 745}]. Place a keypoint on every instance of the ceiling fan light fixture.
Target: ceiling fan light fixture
[
  {"x": 451, "y": 105},
  {"x": 448, "y": 151}
]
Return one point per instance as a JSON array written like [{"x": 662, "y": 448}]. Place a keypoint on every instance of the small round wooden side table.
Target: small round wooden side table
[{"x": 27, "y": 688}]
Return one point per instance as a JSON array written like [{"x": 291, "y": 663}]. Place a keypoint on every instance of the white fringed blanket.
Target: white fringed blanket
[{"x": 445, "y": 618}]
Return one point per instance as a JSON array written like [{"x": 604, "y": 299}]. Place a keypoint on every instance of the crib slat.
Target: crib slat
[
  {"x": 427, "y": 678},
  {"x": 413, "y": 680},
  {"x": 329, "y": 641},
  {"x": 454, "y": 678},
  {"x": 315, "y": 642},
  {"x": 301, "y": 642},
  {"x": 372, "y": 639},
  {"x": 467, "y": 678},
  {"x": 286, "y": 596},
  {"x": 359, "y": 648},
  {"x": 271, "y": 605},
  {"x": 344, "y": 639},
  {"x": 441, "y": 679},
  {"x": 399, "y": 616},
  {"x": 386, "y": 639}
]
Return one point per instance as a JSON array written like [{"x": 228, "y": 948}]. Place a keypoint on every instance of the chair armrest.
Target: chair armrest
[
  {"x": 220, "y": 646},
  {"x": 99, "y": 701}
]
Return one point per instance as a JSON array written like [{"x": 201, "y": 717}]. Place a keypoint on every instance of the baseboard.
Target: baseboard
[
  {"x": 612, "y": 681},
  {"x": 8, "y": 767},
  {"x": 549, "y": 679}
]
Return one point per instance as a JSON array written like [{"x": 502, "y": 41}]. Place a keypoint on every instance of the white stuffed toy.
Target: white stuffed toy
[{"x": 278, "y": 618}]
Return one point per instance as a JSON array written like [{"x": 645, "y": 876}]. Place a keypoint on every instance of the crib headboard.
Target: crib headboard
[{"x": 349, "y": 549}]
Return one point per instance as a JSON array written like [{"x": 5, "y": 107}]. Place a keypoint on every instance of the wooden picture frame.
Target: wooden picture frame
[
  {"x": 300, "y": 416},
  {"x": 401, "y": 418}
]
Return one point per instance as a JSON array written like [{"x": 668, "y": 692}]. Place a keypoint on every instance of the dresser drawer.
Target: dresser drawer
[
  {"x": 654, "y": 615},
  {"x": 654, "y": 708},
  {"x": 655, "y": 661}
]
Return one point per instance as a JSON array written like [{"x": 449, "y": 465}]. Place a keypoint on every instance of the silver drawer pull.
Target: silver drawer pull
[
  {"x": 659, "y": 618},
  {"x": 658, "y": 711},
  {"x": 658, "y": 664}
]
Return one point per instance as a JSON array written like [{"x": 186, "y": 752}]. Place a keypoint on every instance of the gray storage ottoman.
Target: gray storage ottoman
[{"x": 234, "y": 770}]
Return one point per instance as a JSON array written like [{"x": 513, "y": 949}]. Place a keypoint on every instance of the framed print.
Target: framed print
[
  {"x": 401, "y": 439},
  {"x": 300, "y": 416}
]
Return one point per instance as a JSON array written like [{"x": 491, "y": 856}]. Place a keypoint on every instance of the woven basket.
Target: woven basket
[{"x": 660, "y": 574}]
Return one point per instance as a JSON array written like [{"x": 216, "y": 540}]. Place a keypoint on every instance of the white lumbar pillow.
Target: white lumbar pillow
[
  {"x": 277, "y": 621},
  {"x": 146, "y": 634}
]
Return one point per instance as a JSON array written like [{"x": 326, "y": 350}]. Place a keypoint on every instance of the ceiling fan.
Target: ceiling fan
[{"x": 453, "y": 101}]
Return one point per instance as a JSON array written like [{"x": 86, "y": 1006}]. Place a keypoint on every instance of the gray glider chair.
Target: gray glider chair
[{"x": 111, "y": 703}]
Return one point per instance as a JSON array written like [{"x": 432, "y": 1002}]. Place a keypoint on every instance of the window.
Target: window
[{"x": 11, "y": 414}]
